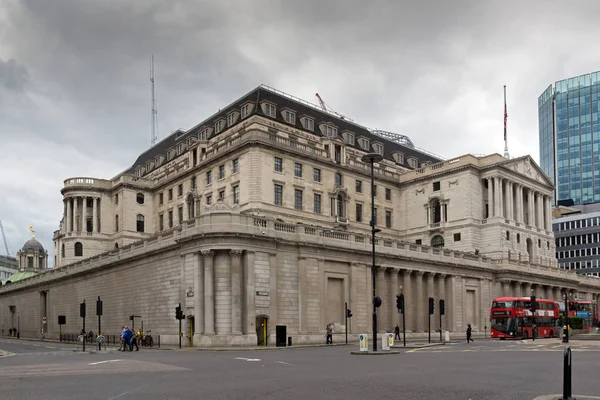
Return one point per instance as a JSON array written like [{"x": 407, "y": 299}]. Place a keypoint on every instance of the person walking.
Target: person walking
[
  {"x": 329, "y": 333},
  {"x": 126, "y": 335},
  {"x": 469, "y": 333},
  {"x": 134, "y": 340},
  {"x": 397, "y": 332}
]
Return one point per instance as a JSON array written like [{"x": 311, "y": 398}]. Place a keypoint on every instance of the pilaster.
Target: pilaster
[
  {"x": 236, "y": 291},
  {"x": 209, "y": 294},
  {"x": 419, "y": 300},
  {"x": 393, "y": 292},
  {"x": 407, "y": 291}
]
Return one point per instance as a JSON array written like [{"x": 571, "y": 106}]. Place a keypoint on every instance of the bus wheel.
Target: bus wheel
[
  {"x": 526, "y": 335},
  {"x": 551, "y": 334}
]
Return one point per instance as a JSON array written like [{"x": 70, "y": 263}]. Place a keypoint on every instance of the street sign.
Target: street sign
[
  {"x": 390, "y": 337},
  {"x": 364, "y": 342}
]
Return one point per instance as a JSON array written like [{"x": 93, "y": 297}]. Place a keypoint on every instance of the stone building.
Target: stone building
[
  {"x": 259, "y": 216},
  {"x": 8, "y": 266}
]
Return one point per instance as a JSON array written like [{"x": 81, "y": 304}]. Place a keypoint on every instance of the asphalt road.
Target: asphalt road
[{"x": 484, "y": 369}]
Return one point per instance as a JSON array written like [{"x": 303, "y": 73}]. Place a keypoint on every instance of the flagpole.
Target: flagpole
[{"x": 506, "y": 155}]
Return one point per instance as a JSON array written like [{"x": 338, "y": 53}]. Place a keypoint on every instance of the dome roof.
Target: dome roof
[{"x": 33, "y": 245}]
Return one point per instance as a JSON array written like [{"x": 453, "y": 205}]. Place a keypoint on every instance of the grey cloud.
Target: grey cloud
[{"x": 13, "y": 77}]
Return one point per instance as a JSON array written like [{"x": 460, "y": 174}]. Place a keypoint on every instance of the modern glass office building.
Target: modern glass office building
[{"x": 569, "y": 130}]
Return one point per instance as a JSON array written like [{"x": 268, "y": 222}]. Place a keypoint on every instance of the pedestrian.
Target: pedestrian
[
  {"x": 469, "y": 333},
  {"x": 121, "y": 341},
  {"x": 91, "y": 336},
  {"x": 126, "y": 335},
  {"x": 397, "y": 332},
  {"x": 10, "y": 332},
  {"x": 329, "y": 333},
  {"x": 134, "y": 340},
  {"x": 83, "y": 334}
]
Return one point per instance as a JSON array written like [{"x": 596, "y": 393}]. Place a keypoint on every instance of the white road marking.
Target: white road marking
[
  {"x": 285, "y": 363},
  {"x": 37, "y": 345},
  {"x": 247, "y": 359},
  {"x": 50, "y": 347},
  {"x": 102, "y": 362}
]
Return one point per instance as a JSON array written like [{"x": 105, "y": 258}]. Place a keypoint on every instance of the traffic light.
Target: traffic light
[
  {"x": 442, "y": 307},
  {"x": 377, "y": 301},
  {"x": 348, "y": 313},
  {"x": 98, "y": 306},
  {"x": 82, "y": 309},
  {"x": 431, "y": 305},
  {"x": 533, "y": 305},
  {"x": 400, "y": 303},
  {"x": 178, "y": 312}
]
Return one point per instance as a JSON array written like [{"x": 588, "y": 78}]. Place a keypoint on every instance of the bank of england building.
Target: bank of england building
[{"x": 259, "y": 216}]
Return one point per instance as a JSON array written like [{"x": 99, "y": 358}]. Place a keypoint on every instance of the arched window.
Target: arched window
[
  {"x": 116, "y": 245},
  {"x": 62, "y": 250},
  {"x": 139, "y": 198},
  {"x": 78, "y": 249},
  {"x": 437, "y": 241},
  {"x": 140, "y": 223},
  {"x": 436, "y": 212},
  {"x": 338, "y": 179}
]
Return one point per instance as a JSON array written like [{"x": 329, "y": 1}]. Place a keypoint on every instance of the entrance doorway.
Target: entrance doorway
[
  {"x": 192, "y": 329},
  {"x": 262, "y": 329}
]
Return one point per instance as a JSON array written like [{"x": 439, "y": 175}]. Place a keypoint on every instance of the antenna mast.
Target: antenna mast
[
  {"x": 154, "y": 131},
  {"x": 4, "y": 237},
  {"x": 506, "y": 155}
]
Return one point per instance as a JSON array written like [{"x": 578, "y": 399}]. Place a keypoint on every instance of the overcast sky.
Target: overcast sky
[{"x": 75, "y": 91}]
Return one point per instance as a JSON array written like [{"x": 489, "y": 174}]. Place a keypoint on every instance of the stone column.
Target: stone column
[
  {"x": 249, "y": 323},
  {"x": 209, "y": 294},
  {"x": 381, "y": 311},
  {"x": 394, "y": 291},
  {"x": 548, "y": 214},
  {"x": 519, "y": 201},
  {"x": 500, "y": 197},
  {"x": 442, "y": 295},
  {"x": 539, "y": 210},
  {"x": 198, "y": 294},
  {"x": 496, "y": 196},
  {"x": 431, "y": 293},
  {"x": 68, "y": 218},
  {"x": 511, "y": 201},
  {"x": 505, "y": 288},
  {"x": 490, "y": 198},
  {"x": 419, "y": 302},
  {"x": 84, "y": 212},
  {"x": 407, "y": 291},
  {"x": 530, "y": 208},
  {"x": 236, "y": 291},
  {"x": 94, "y": 215}
]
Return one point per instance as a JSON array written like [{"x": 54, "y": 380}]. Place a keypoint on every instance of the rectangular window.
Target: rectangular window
[
  {"x": 388, "y": 219},
  {"x": 298, "y": 170},
  {"x": 317, "y": 203},
  {"x": 358, "y": 186},
  {"x": 289, "y": 117},
  {"x": 209, "y": 177},
  {"x": 278, "y": 164},
  {"x": 375, "y": 215},
  {"x": 170, "y": 194},
  {"x": 330, "y": 131},
  {"x": 378, "y": 148},
  {"x": 160, "y": 199},
  {"x": 457, "y": 237},
  {"x": 219, "y": 125},
  {"x": 194, "y": 158},
  {"x": 236, "y": 194},
  {"x": 436, "y": 186},
  {"x": 193, "y": 182},
  {"x": 278, "y": 195},
  {"x": 359, "y": 211},
  {"x": 317, "y": 175},
  {"x": 180, "y": 189},
  {"x": 231, "y": 119},
  {"x": 161, "y": 222},
  {"x": 418, "y": 241},
  {"x": 270, "y": 110},
  {"x": 170, "y": 219},
  {"x": 236, "y": 166},
  {"x": 308, "y": 124},
  {"x": 221, "y": 171},
  {"x": 350, "y": 139},
  {"x": 246, "y": 110},
  {"x": 209, "y": 200},
  {"x": 298, "y": 199},
  {"x": 221, "y": 194},
  {"x": 180, "y": 214},
  {"x": 388, "y": 194},
  {"x": 374, "y": 190}
]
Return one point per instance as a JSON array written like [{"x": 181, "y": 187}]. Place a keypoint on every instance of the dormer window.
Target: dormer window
[
  {"x": 363, "y": 143},
  {"x": 329, "y": 131},
  {"x": 246, "y": 110},
  {"x": 308, "y": 123},
  {"x": 289, "y": 117},
  {"x": 378, "y": 147},
  {"x": 149, "y": 166},
  {"x": 398, "y": 157},
  {"x": 349, "y": 138},
  {"x": 219, "y": 125},
  {"x": 413, "y": 162},
  {"x": 170, "y": 154},
  {"x": 231, "y": 118},
  {"x": 269, "y": 110},
  {"x": 191, "y": 141},
  {"x": 204, "y": 134},
  {"x": 180, "y": 148}
]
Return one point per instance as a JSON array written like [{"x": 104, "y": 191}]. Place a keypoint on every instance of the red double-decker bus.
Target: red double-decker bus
[{"x": 511, "y": 318}]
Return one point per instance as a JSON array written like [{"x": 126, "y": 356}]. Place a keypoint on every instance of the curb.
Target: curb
[
  {"x": 559, "y": 397},
  {"x": 374, "y": 353}
]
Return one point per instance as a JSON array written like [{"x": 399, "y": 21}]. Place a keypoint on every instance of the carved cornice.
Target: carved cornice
[{"x": 207, "y": 253}]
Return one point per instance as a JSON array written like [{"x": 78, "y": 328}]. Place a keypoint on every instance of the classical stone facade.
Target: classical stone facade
[{"x": 259, "y": 216}]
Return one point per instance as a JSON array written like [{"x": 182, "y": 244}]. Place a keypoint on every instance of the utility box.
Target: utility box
[
  {"x": 447, "y": 336},
  {"x": 280, "y": 335}
]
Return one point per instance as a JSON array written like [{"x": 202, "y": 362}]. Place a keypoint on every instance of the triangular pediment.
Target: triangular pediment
[{"x": 528, "y": 167}]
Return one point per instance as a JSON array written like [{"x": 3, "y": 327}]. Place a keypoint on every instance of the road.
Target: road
[{"x": 484, "y": 369}]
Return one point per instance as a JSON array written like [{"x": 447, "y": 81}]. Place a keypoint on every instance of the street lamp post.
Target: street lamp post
[{"x": 372, "y": 158}]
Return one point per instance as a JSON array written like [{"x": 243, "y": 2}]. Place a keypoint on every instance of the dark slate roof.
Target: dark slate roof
[
  {"x": 33, "y": 245},
  {"x": 301, "y": 108}
]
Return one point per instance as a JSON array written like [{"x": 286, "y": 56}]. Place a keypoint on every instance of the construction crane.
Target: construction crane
[
  {"x": 329, "y": 110},
  {"x": 4, "y": 237}
]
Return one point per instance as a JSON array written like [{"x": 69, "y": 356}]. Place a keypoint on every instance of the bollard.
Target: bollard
[{"x": 567, "y": 388}]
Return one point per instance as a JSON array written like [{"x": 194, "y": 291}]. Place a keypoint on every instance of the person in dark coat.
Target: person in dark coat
[{"x": 469, "y": 333}]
